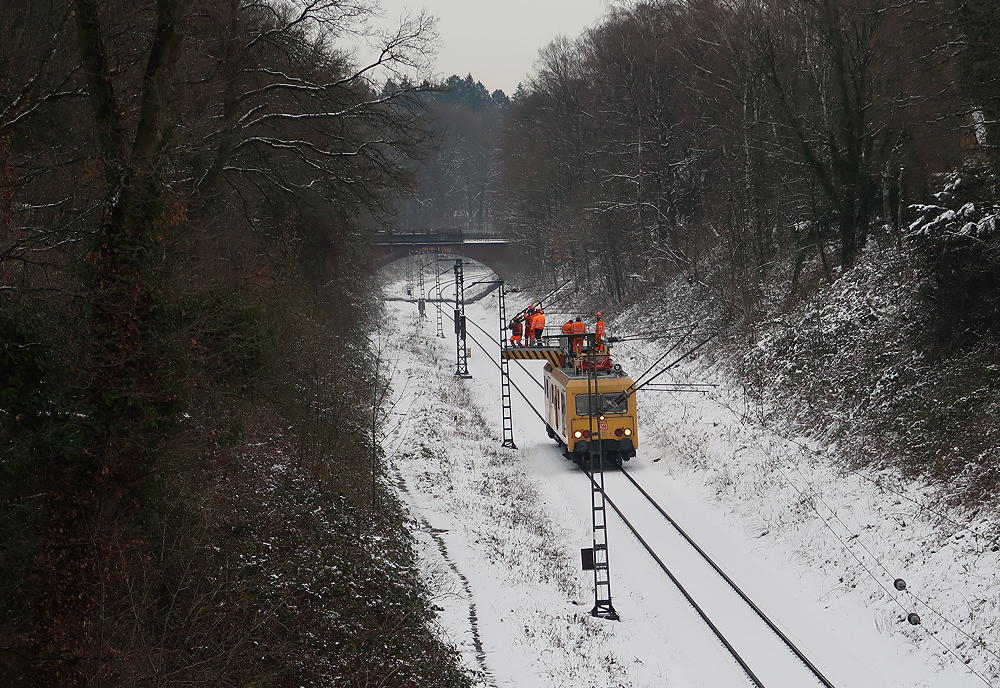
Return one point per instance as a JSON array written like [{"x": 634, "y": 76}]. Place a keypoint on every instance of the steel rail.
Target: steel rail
[
  {"x": 680, "y": 586},
  {"x": 711, "y": 562},
  {"x": 673, "y": 578},
  {"x": 701, "y": 612}
]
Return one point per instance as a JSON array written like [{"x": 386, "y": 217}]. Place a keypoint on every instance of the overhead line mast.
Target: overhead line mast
[
  {"x": 409, "y": 273},
  {"x": 594, "y": 362},
  {"x": 437, "y": 290},
  {"x": 506, "y": 411},
  {"x": 461, "y": 352},
  {"x": 423, "y": 293},
  {"x": 603, "y": 606},
  {"x": 437, "y": 286}
]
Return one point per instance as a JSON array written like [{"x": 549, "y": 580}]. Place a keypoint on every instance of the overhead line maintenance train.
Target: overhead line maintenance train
[
  {"x": 584, "y": 406},
  {"x": 570, "y": 402}
]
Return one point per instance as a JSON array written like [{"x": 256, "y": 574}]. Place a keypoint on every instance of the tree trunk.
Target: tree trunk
[{"x": 86, "y": 493}]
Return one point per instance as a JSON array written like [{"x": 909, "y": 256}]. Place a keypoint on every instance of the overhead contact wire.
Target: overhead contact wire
[
  {"x": 732, "y": 650},
  {"x": 687, "y": 596},
  {"x": 512, "y": 383},
  {"x": 806, "y": 661}
]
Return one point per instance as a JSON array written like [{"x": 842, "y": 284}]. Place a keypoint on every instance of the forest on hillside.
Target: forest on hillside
[
  {"x": 741, "y": 142},
  {"x": 190, "y": 409},
  {"x": 819, "y": 179},
  {"x": 455, "y": 182},
  {"x": 192, "y": 488},
  {"x": 752, "y": 137}
]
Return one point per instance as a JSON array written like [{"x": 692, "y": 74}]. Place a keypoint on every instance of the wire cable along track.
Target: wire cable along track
[{"x": 766, "y": 677}]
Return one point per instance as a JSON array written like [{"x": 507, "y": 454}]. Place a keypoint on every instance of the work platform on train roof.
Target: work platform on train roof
[{"x": 556, "y": 357}]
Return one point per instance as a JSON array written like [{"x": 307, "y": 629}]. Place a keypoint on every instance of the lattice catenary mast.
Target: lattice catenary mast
[
  {"x": 506, "y": 411},
  {"x": 599, "y": 521},
  {"x": 461, "y": 352}
]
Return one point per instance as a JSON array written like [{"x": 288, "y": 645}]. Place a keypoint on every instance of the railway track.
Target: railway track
[
  {"x": 764, "y": 652},
  {"x": 792, "y": 647},
  {"x": 768, "y": 656}
]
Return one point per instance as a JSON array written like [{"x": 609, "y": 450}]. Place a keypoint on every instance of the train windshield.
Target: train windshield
[{"x": 617, "y": 402}]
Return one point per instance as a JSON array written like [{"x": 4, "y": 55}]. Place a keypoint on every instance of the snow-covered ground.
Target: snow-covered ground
[
  {"x": 847, "y": 535},
  {"x": 502, "y": 529}
]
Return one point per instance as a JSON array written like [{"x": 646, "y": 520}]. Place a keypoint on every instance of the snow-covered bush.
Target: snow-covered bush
[
  {"x": 859, "y": 364},
  {"x": 959, "y": 236}
]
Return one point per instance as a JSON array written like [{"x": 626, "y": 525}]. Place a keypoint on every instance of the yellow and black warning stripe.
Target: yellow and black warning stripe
[{"x": 554, "y": 356}]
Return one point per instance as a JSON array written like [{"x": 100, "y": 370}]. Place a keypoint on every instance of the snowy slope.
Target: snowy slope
[
  {"x": 503, "y": 531},
  {"x": 848, "y": 534}
]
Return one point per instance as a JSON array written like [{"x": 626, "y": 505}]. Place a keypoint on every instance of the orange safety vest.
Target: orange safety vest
[
  {"x": 538, "y": 321},
  {"x": 599, "y": 330},
  {"x": 517, "y": 327},
  {"x": 568, "y": 328},
  {"x": 579, "y": 328}
]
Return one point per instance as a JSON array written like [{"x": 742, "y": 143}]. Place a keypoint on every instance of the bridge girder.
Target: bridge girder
[{"x": 501, "y": 257}]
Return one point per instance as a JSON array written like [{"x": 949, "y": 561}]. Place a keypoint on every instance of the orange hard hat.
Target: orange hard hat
[{"x": 598, "y": 313}]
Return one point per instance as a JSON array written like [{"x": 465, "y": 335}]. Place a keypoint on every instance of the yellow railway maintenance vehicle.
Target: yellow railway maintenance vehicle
[
  {"x": 568, "y": 410},
  {"x": 576, "y": 419}
]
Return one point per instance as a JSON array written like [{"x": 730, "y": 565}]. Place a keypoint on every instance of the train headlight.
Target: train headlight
[
  {"x": 577, "y": 434},
  {"x": 628, "y": 432},
  {"x": 603, "y": 418}
]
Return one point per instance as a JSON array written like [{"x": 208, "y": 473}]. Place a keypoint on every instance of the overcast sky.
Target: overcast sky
[{"x": 498, "y": 40}]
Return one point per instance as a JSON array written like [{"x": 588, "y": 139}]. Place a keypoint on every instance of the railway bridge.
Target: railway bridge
[{"x": 494, "y": 251}]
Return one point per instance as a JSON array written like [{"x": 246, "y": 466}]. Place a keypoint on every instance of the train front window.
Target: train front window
[{"x": 616, "y": 402}]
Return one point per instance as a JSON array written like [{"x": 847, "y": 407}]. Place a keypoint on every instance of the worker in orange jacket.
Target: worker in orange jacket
[
  {"x": 516, "y": 330},
  {"x": 538, "y": 325},
  {"x": 567, "y": 329},
  {"x": 529, "y": 335},
  {"x": 599, "y": 333},
  {"x": 578, "y": 329}
]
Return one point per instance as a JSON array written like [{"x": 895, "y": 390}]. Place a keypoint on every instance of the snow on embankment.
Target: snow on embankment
[
  {"x": 860, "y": 365},
  {"x": 491, "y": 557},
  {"x": 845, "y": 370}
]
